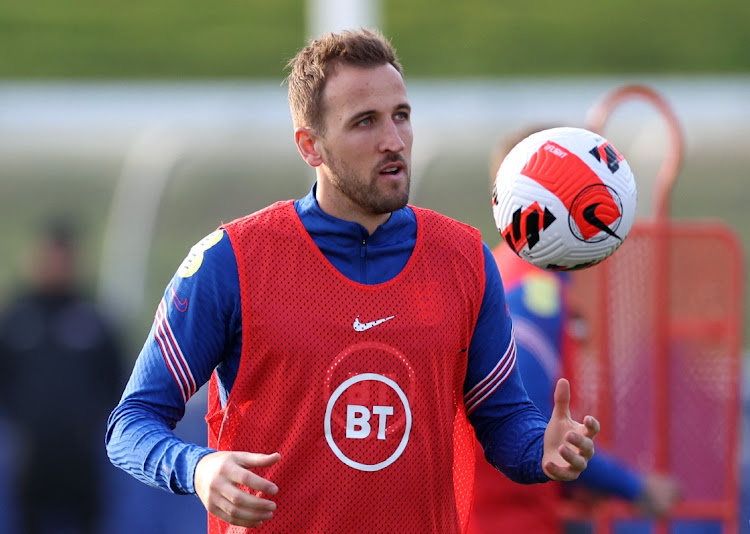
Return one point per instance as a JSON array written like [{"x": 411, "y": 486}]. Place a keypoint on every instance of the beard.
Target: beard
[{"x": 368, "y": 192}]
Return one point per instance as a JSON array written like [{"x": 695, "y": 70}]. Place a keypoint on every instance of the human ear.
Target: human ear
[{"x": 305, "y": 139}]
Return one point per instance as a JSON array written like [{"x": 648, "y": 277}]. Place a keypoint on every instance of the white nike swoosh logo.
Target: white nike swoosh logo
[{"x": 361, "y": 327}]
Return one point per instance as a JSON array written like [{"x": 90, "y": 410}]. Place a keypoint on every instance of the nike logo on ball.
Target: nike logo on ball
[
  {"x": 361, "y": 327},
  {"x": 590, "y": 216}
]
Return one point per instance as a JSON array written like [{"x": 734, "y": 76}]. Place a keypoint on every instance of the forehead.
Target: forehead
[{"x": 350, "y": 90}]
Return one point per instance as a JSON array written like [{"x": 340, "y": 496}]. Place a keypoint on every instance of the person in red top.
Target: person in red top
[{"x": 352, "y": 343}]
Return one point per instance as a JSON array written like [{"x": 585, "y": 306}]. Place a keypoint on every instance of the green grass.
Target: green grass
[
  {"x": 187, "y": 39},
  {"x": 138, "y": 39},
  {"x": 486, "y": 37}
]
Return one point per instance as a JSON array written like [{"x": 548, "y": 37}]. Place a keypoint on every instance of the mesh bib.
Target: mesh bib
[{"x": 359, "y": 387}]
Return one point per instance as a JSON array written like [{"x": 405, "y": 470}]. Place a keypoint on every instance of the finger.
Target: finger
[
  {"x": 243, "y": 475},
  {"x": 251, "y": 459},
  {"x": 576, "y": 461},
  {"x": 234, "y": 514},
  {"x": 585, "y": 445},
  {"x": 247, "y": 501},
  {"x": 591, "y": 426},
  {"x": 562, "y": 398},
  {"x": 575, "y": 464},
  {"x": 253, "y": 481},
  {"x": 557, "y": 472}
]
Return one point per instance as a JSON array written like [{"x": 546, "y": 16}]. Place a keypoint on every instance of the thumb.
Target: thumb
[{"x": 562, "y": 399}]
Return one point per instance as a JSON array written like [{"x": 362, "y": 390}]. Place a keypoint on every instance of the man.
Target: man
[
  {"x": 347, "y": 337},
  {"x": 59, "y": 372}
]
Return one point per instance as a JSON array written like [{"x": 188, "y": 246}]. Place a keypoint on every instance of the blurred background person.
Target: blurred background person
[
  {"x": 7, "y": 508},
  {"x": 59, "y": 375},
  {"x": 546, "y": 328}
]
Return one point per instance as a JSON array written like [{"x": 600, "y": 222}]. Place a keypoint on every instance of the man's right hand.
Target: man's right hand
[{"x": 217, "y": 476}]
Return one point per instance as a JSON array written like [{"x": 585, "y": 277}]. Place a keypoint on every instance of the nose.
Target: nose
[{"x": 392, "y": 139}]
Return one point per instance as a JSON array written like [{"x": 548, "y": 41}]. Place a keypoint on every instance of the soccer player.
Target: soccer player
[
  {"x": 545, "y": 327},
  {"x": 350, "y": 340}
]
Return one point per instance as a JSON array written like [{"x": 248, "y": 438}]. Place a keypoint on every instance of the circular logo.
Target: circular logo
[
  {"x": 595, "y": 214},
  {"x": 194, "y": 259},
  {"x": 375, "y": 357},
  {"x": 358, "y": 423}
]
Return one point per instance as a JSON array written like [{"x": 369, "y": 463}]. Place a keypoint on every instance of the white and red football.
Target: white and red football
[{"x": 564, "y": 199}]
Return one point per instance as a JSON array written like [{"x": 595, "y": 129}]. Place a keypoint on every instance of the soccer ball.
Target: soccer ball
[{"x": 564, "y": 199}]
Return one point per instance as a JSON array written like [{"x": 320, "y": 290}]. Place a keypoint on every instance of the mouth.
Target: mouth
[{"x": 393, "y": 169}]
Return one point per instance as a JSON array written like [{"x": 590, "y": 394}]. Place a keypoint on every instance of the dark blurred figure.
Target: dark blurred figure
[{"x": 59, "y": 376}]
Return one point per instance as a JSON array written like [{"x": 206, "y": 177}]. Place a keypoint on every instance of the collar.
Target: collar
[{"x": 400, "y": 226}]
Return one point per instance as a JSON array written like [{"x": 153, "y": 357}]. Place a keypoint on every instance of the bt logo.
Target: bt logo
[
  {"x": 356, "y": 446},
  {"x": 358, "y": 421}
]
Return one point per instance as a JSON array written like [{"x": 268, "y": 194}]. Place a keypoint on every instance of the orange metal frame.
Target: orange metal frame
[{"x": 663, "y": 230}]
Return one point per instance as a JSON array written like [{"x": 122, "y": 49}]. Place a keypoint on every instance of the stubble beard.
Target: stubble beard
[{"x": 364, "y": 192}]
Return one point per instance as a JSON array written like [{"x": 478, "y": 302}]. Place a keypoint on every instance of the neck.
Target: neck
[{"x": 334, "y": 203}]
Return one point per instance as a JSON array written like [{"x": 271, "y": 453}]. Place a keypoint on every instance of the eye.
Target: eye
[
  {"x": 402, "y": 115},
  {"x": 365, "y": 122}
]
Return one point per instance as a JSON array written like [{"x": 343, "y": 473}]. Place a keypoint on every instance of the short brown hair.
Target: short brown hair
[{"x": 311, "y": 65}]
